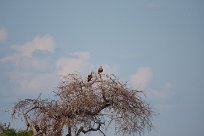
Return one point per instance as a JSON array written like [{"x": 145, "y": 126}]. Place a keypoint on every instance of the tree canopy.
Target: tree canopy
[{"x": 81, "y": 106}]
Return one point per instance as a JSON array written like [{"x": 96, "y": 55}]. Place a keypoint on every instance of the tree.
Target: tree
[
  {"x": 5, "y": 130},
  {"x": 82, "y": 106}
]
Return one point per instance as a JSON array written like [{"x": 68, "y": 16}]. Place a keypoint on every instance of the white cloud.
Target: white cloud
[
  {"x": 3, "y": 34},
  {"x": 77, "y": 62},
  {"x": 45, "y": 43},
  {"x": 23, "y": 54},
  {"x": 141, "y": 78},
  {"x": 165, "y": 92}
]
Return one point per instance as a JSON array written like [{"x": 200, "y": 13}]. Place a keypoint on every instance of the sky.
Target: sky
[{"x": 155, "y": 45}]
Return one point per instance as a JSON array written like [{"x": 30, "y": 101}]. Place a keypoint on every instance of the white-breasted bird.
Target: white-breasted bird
[{"x": 100, "y": 70}]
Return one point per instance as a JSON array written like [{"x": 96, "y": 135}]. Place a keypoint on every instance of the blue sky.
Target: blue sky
[{"x": 155, "y": 45}]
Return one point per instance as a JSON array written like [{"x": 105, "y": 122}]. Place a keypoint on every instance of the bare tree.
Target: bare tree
[{"x": 82, "y": 106}]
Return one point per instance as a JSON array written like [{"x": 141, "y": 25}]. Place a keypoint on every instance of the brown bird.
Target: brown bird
[
  {"x": 90, "y": 77},
  {"x": 37, "y": 128},
  {"x": 100, "y": 70}
]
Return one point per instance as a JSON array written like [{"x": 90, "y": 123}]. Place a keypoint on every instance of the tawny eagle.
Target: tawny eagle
[
  {"x": 100, "y": 70},
  {"x": 89, "y": 77}
]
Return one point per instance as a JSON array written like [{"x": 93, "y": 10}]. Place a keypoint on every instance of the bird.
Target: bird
[
  {"x": 28, "y": 125},
  {"x": 37, "y": 128},
  {"x": 100, "y": 70},
  {"x": 89, "y": 77}
]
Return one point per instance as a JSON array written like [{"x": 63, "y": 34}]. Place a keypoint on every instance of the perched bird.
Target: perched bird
[
  {"x": 28, "y": 125},
  {"x": 90, "y": 77},
  {"x": 100, "y": 70},
  {"x": 37, "y": 128}
]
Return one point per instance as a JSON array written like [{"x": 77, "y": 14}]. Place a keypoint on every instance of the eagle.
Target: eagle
[
  {"x": 37, "y": 128},
  {"x": 90, "y": 77},
  {"x": 100, "y": 70}
]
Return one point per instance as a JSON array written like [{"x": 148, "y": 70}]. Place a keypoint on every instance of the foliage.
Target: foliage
[
  {"x": 24, "y": 133},
  {"x": 7, "y": 131},
  {"x": 83, "y": 106}
]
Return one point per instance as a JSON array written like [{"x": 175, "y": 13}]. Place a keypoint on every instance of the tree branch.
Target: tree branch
[{"x": 81, "y": 129}]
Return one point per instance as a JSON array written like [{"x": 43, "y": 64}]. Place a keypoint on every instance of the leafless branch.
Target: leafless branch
[{"x": 83, "y": 107}]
